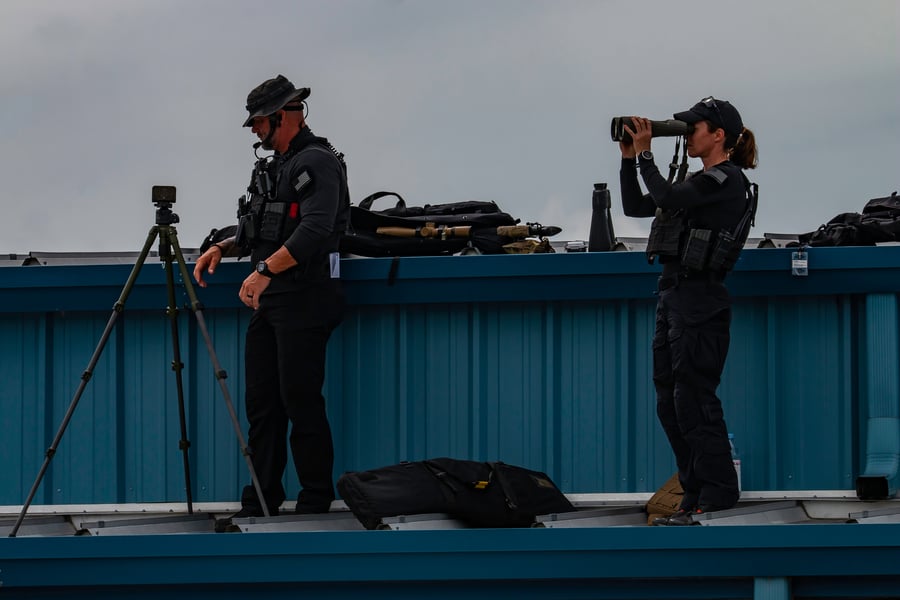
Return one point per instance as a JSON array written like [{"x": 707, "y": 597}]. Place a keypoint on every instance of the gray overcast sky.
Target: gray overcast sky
[{"x": 440, "y": 101}]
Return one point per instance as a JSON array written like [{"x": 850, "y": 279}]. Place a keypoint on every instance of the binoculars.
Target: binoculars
[{"x": 670, "y": 128}]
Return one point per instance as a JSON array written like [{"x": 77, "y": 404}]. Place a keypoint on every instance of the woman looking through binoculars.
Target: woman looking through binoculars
[{"x": 699, "y": 228}]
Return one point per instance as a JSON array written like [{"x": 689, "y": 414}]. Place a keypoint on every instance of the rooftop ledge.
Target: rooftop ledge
[{"x": 760, "y": 272}]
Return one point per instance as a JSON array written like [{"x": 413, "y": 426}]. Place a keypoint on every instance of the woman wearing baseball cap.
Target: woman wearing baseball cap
[{"x": 699, "y": 227}]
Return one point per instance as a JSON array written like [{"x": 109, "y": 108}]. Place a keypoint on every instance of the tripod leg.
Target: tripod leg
[
  {"x": 86, "y": 375},
  {"x": 221, "y": 375},
  {"x": 172, "y": 311}
]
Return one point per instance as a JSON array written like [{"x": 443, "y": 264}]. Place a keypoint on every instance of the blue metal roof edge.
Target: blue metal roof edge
[
  {"x": 595, "y": 560},
  {"x": 492, "y": 278}
]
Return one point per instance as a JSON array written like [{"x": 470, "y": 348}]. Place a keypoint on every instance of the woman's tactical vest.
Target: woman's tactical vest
[{"x": 672, "y": 237}]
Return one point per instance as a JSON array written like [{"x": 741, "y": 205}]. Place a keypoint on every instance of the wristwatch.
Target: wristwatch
[
  {"x": 263, "y": 269},
  {"x": 646, "y": 155}
]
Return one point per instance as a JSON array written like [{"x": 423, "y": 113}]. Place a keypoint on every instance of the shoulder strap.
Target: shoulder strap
[
  {"x": 742, "y": 229},
  {"x": 367, "y": 202},
  {"x": 320, "y": 144},
  {"x": 325, "y": 149},
  {"x": 752, "y": 190}
]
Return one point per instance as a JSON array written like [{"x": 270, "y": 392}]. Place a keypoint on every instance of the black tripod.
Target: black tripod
[{"x": 163, "y": 197}]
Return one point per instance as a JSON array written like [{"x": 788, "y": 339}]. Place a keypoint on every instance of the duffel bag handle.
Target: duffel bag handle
[{"x": 366, "y": 202}]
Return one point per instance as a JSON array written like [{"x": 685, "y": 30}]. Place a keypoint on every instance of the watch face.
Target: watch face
[{"x": 260, "y": 267}]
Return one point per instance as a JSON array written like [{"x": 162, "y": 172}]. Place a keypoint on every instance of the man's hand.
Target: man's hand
[
  {"x": 208, "y": 262},
  {"x": 252, "y": 289}
]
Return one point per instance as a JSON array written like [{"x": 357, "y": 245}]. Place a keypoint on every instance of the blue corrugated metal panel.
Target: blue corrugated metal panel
[
  {"x": 86, "y": 466},
  {"x": 23, "y": 406},
  {"x": 880, "y": 409},
  {"x": 150, "y": 424},
  {"x": 788, "y": 392},
  {"x": 218, "y": 467},
  {"x": 539, "y": 360},
  {"x": 535, "y": 384},
  {"x": 814, "y": 561}
]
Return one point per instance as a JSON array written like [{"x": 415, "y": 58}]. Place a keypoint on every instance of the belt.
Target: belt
[{"x": 669, "y": 281}]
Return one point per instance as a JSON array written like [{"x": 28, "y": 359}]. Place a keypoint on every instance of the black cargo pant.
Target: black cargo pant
[
  {"x": 285, "y": 370},
  {"x": 690, "y": 344}
]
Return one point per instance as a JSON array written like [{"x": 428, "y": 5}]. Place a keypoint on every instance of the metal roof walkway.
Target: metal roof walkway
[
  {"x": 594, "y": 510},
  {"x": 801, "y": 545}
]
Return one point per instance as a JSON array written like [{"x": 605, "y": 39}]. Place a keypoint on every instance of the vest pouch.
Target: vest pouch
[
  {"x": 247, "y": 231},
  {"x": 697, "y": 249},
  {"x": 665, "y": 233},
  {"x": 725, "y": 252},
  {"x": 272, "y": 221}
]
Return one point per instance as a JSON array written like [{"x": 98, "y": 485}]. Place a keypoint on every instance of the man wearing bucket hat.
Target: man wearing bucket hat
[
  {"x": 292, "y": 231},
  {"x": 700, "y": 225}
]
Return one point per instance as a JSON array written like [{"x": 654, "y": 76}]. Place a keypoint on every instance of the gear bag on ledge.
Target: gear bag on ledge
[
  {"x": 879, "y": 222},
  {"x": 433, "y": 229}
]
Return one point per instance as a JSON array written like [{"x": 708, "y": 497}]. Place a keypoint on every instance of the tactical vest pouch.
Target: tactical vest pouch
[
  {"x": 725, "y": 252},
  {"x": 247, "y": 231},
  {"x": 728, "y": 245},
  {"x": 665, "y": 233},
  {"x": 696, "y": 249},
  {"x": 272, "y": 222}
]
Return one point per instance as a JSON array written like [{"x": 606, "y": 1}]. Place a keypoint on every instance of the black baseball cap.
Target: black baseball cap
[
  {"x": 271, "y": 95},
  {"x": 720, "y": 113}
]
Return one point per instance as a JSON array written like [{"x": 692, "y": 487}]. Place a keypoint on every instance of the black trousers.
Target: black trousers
[
  {"x": 285, "y": 370},
  {"x": 693, "y": 318}
]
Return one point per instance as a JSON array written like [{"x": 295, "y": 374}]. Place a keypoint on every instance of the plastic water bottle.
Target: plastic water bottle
[{"x": 735, "y": 458}]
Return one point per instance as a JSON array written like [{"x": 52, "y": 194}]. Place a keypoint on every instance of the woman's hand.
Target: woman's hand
[{"x": 640, "y": 135}]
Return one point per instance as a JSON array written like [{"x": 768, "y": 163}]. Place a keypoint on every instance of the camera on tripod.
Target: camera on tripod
[
  {"x": 163, "y": 197},
  {"x": 668, "y": 128},
  {"x": 163, "y": 194}
]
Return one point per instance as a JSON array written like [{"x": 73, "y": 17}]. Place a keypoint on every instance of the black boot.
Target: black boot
[
  {"x": 683, "y": 517},
  {"x": 225, "y": 525},
  {"x": 678, "y": 516}
]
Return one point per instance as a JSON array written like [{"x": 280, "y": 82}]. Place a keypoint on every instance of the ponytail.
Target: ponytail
[{"x": 742, "y": 150}]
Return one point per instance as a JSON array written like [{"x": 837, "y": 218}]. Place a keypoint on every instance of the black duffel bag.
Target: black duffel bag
[
  {"x": 481, "y": 494},
  {"x": 430, "y": 230}
]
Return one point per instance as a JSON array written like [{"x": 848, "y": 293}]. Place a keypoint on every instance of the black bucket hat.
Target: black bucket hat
[
  {"x": 720, "y": 113},
  {"x": 270, "y": 96}
]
